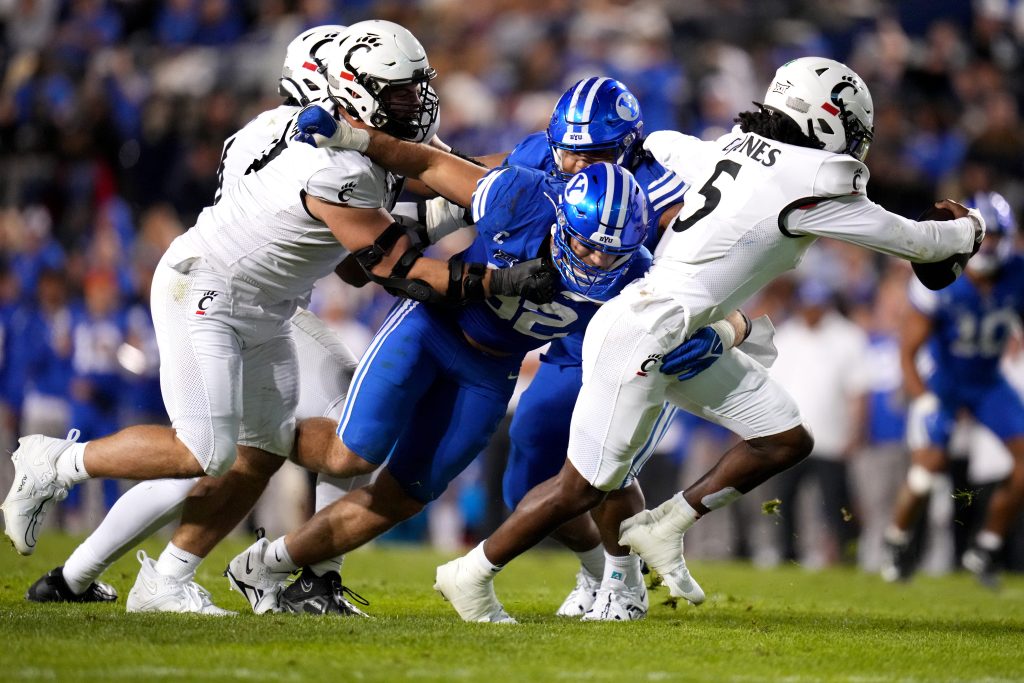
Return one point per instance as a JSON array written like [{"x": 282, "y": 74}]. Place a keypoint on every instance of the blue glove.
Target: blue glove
[
  {"x": 315, "y": 125},
  {"x": 693, "y": 356}
]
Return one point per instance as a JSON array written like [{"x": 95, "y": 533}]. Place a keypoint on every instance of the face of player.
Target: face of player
[
  {"x": 574, "y": 162},
  {"x": 592, "y": 257}
]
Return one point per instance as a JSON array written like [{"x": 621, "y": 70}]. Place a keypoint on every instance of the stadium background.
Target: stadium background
[{"x": 112, "y": 117}]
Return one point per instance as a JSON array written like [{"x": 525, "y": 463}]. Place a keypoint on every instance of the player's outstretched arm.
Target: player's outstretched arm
[
  {"x": 914, "y": 332},
  {"x": 448, "y": 175},
  {"x": 398, "y": 266}
]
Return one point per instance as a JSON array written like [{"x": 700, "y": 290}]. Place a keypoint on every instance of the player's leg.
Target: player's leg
[
  {"x": 539, "y": 438},
  {"x": 929, "y": 427},
  {"x": 1002, "y": 411},
  {"x": 217, "y": 504},
  {"x": 738, "y": 394},
  {"x": 199, "y": 375},
  {"x": 136, "y": 515},
  {"x": 613, "y": 418}
]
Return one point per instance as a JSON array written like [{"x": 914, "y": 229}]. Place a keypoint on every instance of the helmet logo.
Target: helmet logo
[
  {"x": 576, "y": 191},
  {"x": 627, "y": 107},
  {"x": 780, "y": 88}
]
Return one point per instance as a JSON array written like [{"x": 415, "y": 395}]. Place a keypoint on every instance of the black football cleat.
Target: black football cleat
[
  {"x": 52, "y": 587},
  {"x": 320, "y": 595}
]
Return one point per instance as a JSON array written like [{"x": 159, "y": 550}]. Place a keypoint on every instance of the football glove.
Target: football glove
[
  {"x": 534, "y": 280},
  {"x": 695, "y": 355},
  {"x": 315, "y": 126}
]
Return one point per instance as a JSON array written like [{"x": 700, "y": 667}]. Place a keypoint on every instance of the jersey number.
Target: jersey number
[
  {"x": 712, "y": 195},
  {"x": 527, "y": 314},
  {"x": 985, "y": 337}
]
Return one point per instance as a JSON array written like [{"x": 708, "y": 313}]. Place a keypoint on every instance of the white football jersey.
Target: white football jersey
[
  {"x": 752, "y": 209},
  {"x": 258, "y": 229}
]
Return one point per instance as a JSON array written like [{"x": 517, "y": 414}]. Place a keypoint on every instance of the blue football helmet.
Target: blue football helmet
[
  {"x": 999, "y": 222},
  {"x": 596, "y": 115},
  {"x": 604, "y": 210}
]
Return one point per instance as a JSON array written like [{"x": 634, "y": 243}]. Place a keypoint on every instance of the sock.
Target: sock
[
  {"x": 71, "y": 465},
  {"x": 142, "y": 510},
  {"x": 681, "y": 514},
  {"x": 277, "y": 557},
  {"x": 621, "y": 572},
  {"x": 896, "y": 536},
  {"x": 177, "y": 563},
  {"x": 486, "y": 568},
  {"x": 592, "y": 560},
  {"x": 989, "y": 540},
  {"x": 332, "y": 565}
]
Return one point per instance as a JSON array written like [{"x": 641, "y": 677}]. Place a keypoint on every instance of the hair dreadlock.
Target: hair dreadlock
[{"x": 775, "y": 126}]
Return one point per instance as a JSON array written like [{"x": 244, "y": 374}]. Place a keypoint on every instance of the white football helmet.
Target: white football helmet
[
  {"x": 828, "y": 100},
  {"x": 301, "y": 78},
  {"x": 378, "y": 72}
]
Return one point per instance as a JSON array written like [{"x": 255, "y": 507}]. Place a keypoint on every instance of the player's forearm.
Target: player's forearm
[{"x": 444, "y": 173}]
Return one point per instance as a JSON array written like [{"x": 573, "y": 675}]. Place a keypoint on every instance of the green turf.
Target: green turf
[{"x": 785, "y": 624}]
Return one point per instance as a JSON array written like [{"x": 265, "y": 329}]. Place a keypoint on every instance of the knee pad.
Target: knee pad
[{"x": 920, "y": 480}]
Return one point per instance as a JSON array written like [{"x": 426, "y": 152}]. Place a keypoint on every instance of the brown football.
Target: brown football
[{"x": 945, "y": 272}]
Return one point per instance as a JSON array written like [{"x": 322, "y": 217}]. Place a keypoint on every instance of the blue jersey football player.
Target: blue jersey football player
[
  {"x": 435, "y": 381},
  {"x": 597, "y": 119},
  {"x": 965, "y": 328}
]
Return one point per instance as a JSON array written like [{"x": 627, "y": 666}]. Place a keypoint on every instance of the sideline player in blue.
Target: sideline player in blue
[
  {"x": 435, "y": 382},
  {"x": 966, "y": 327},
  {"x": 597, "y": 119}
]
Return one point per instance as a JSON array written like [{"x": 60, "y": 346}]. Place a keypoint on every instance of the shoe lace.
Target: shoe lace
[
  {"x": 340, "y": 591},
  {"x": 198, "y": 595}
]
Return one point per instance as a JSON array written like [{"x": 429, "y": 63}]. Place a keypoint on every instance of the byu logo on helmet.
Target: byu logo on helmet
[
  {"x": 627, "y": 107},
  {"x": 602, "y": 222}
]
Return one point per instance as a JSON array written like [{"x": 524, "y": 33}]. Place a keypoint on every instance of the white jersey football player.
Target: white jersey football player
[
  {"x": 790, "y": 173},
  {"x": 325, "y": 366},
  {"x": 224, "y": 293}
]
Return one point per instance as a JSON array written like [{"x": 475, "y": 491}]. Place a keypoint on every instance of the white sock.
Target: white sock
[
  {"x": 332, "y": 565},
  {"x": 893, "y": 534},
  {"x": 486, "y": 568},
  {"x": 177, "y": 563},
  {"x": 592, "y": 560},
  {"x": 71, "y": 465},
  {"x": 142, "y": 510},
  {"x": 277, "y": 557},
  {"x": 621, "y": 572},
  {"x": 681, "y": 514},
  {"x": 989, "y": 540}
]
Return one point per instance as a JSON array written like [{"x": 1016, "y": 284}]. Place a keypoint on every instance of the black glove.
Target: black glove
[{"x": 534, "y": 280}]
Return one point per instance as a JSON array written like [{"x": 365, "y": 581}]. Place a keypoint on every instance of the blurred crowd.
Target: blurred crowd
[{"x": 113, "y": 114}]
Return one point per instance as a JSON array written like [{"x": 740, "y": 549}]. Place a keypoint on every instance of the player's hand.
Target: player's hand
[
  {"x": 695, "y": 355},
  {"x": 534, "y": 280},
  {"x": 315, "y": 126},
  {"x": 959, "y": 211}
]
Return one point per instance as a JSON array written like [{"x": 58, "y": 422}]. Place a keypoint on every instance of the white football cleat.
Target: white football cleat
[
  {"x": 582, "y": 596},
  {"x": 472, "y": 597},
  {"x": 653, "y": 537},
  {"x": 155, "y": 592},
  {"x": 250, "y": 576},
  {"x": 619, "y": 604},
  {"x": 35, "y": 488}
]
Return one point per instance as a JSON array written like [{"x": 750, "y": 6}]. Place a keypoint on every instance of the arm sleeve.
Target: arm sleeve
[
  {"x": 353, "y": 180},
  {"x": 844, "y": 212}
]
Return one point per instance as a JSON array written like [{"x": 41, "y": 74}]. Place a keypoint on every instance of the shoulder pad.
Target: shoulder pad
[
  {"x": 839, "y": 175},
  {"x": 350, "y": 179},
  {"x": 490, "y": 190},
  {"x": 532, "y": 151},
  {"x": 682, "y": 154}
]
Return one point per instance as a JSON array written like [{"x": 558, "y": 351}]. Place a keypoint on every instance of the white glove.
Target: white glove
[{"x": 443, "y": 218}]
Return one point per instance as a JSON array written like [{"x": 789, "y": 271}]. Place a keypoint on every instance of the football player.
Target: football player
[
  {"x": 791, "y": 172},
  {"x": 434, "y": 384},
  {"x": 965, "y": 328},
  {"x": 225, "y": 291},
  {"x": 325, "y": 368}
]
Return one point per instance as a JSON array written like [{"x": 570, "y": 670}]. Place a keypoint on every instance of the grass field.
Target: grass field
[{"x": 785, "y": 624}]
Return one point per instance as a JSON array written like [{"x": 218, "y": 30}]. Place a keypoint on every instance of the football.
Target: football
[{"x": 940, "y": 274}]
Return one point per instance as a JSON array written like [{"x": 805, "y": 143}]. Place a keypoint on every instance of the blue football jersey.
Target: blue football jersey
[
  {"x": 514, "y": 211},
  {"x": 663, "y": 187},
  {"x": 970, "y": 328}
]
